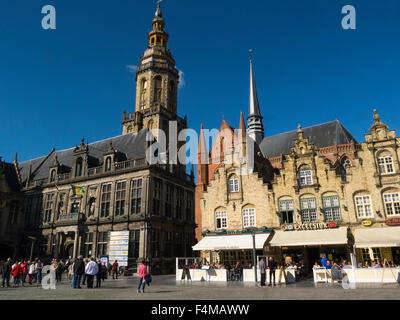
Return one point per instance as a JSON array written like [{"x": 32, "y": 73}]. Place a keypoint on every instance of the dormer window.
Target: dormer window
[
  {"x": 385, "y": 165},
  {"x": 78, "y": 167},
  {"x": 305, "y": 178}
]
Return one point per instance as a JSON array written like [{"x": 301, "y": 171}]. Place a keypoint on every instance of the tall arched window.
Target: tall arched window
[
  {"x": 108, "y": 164},
  {"x": 53, "y": 175},
  {"x": 143, "y": 88},
  {"x": 78, "y": 167},
  {"x": 157, "y": 89}
]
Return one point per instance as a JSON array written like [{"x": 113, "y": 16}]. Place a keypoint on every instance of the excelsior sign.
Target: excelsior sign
[
  {"x": 310, "y": 226},
  {"x": 393, "y": 222}
]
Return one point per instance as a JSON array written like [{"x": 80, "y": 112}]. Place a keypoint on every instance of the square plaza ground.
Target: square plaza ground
[{"x": 166, "y": 288}]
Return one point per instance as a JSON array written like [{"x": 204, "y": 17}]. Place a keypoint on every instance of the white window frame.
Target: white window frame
[
  {"x": 305, "y": 178},
  {"x": 363, "y": 204},
  {"x": 233, "y": 185},
  {"x": 386, "y": 165},
  {"x": 392, "y": 204},
  {"x": 249, "y": 218},
  {"x": 223, "y": 218}
]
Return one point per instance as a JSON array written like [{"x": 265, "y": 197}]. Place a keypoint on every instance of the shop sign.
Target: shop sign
[
  {"x": 310, "y": 226},
  {"x": 367, "y": 223},
  {"x": 393, "y": 222}
]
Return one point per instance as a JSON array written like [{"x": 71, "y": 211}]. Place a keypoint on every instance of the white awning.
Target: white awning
[
  {"x": 377, "y": 237},
  {"x": 231, "y": 242},
  {"x": 309, "y": 237}
]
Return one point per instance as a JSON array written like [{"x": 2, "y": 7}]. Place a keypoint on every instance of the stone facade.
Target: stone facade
[
  {"x": 336, "y": 176},
  {"x": 82, "y": 194}
]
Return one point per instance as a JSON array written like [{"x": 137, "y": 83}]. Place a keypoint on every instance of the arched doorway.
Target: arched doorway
[
  {"x": 69, "y": 251},
  {"x": 5, "y": 251}
]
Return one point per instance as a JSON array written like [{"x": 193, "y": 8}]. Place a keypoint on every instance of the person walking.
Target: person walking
[
  {"x": 115, "y": 270},
  {"x": 6, "y": 273},
  {"x": 31, "y": 272},
  {"x": 99, "y": 273},
  {"x": 84, "y": 277},
  {"x": 79, "y": 270},
  {"x": 91, "y": 270},
  {"x": 109, "y": 268},
  {"x": 70, "y": 269},
  {"x": 142, "y": 274},
  {"x": 24, "y": 271},
  {"x": 271, "y": 267},
  {"x": 105, "y": 272},
  {"x": 16, "y": 272},
  {"x": 39, "y": 267},
  {"x": 263, "y": 270}
]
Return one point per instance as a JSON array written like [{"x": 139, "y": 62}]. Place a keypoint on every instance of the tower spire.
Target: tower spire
[{"x": 255, "y": 125}]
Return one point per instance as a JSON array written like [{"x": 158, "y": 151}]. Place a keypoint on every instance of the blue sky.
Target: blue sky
[{"x": 57, "y": 86}]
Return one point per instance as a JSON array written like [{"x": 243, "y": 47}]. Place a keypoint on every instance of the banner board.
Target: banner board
[{"x": 119, "y": 247}]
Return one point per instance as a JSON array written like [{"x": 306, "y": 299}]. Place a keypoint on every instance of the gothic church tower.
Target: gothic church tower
[{"x": 157, "y": 82}]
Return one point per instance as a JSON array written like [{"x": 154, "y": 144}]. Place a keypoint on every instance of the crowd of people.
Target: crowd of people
[
  {"x": 344, "y": 264},
  {"x": 20, "y": 271},
  {"x": 79, "y": 272}
]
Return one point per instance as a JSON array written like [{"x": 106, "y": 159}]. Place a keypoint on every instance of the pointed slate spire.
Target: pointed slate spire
[
  {"x": 255, "y": 124},
  {"x": 254, "y": 107}
]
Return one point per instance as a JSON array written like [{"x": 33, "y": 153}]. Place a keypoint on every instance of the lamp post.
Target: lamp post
[
  {"x": 252, "y": 230},
  {"x": 33, "y": 243}
]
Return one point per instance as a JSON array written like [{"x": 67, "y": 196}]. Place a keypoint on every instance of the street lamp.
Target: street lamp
[{"x": 252, "y": 230}]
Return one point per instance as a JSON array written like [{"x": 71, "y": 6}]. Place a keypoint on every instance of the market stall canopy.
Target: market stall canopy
[
  {"x": 231, "y": 242},
  {"x": 309, "y": 237},
  {"x": 377, "y": 237}
]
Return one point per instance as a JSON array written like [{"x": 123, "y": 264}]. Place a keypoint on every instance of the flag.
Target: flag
[
  {"x": 77, "y": 190},
  {"x": 59, "y": 193},
  {"x": 3, "y": 203}
]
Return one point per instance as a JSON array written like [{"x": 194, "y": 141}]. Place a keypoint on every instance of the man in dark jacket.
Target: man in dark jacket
[
  {"x": 6, "y": 273},
  {"x": 271, "y": 265},
  {"x": 79, "y": 270}
]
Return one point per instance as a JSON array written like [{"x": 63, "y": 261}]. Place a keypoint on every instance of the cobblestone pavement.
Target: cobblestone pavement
[{"x": 166, "y": 288}]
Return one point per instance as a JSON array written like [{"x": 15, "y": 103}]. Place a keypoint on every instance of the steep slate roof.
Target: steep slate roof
[
  {"x": 322, "y": 135},
  {"x": 132, "y": 146}
]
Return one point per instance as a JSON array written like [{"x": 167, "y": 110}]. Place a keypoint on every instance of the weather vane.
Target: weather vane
[{"x": 158, "y": 2}]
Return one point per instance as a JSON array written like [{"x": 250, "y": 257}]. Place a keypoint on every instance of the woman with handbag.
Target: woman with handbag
[{"x": 142, "y": 274}]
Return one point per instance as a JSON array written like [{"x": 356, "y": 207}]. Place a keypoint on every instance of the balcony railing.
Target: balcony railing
[
  {"x": 69, "y": 217},
  {"x": 93, "y": 171},
  {"x": 64, "y": 176},
  {"x": 130, "y": 164}
]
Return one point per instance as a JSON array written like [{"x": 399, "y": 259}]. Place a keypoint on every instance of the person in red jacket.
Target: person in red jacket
[
  {"x": 15, "y": 272},
  {"x": 115, "y": 270},
  {"x": 24, "y": 272}
]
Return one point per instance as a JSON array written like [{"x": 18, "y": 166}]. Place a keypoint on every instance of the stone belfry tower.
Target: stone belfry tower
[{"x": 157, "y": 82}]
